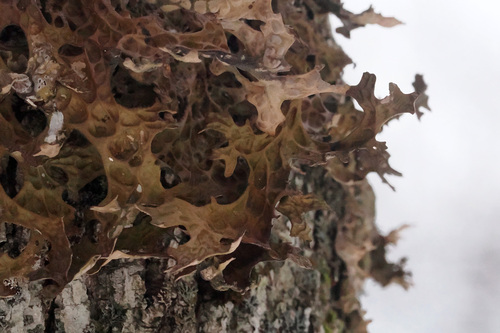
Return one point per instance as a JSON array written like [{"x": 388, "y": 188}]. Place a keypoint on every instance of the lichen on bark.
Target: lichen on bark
[{"x": 143, "y": 142}]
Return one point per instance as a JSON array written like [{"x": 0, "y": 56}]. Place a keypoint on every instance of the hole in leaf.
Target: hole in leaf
[
  {"x": 14, "y": 48},
  {"x": 77, "y": 139},
  {"x": 274, "y": 6},
  {"x": 232, "y": 187},
  {"x": 309, "y": 12},
  {"x": 13, "y": 239},
  {"x": 45, "y": 13},
  {"x": 227, "y": 79},
  {"x": 139, "y": 8},
  {"x": 10, "y": 177},
  {"x": 129, "y": 92},
  {"x": 233, "y": 43},
  {"x": 242, "y": 112},
  {"x": 181, "y": 107},
  {"x": 58, "y": 22},
  {"x": 255, "y": 24},
  {"x": 89, "y": 195},
  {"x": 92, "y": 229},
  {"x": 169, "y": 178},
  {"x": 135, "y": 161},
  {"x": 72, "y": 25},
  {"x": 331, "y": 104},
  {"x": 69, "y": 50},
  {"x": 226, "y": 241},
  {"x": 57, "y": 174},
  {"x": 94, "y": 192},
  {"x": 116, "y": 5},
  {"x": 180, "y": 51},
  {"x": 247, "y": 75},
  {"x": 180, "y": 234},
  {"x": 311, "y": 60},
  {"x": 32, "y": 121}
]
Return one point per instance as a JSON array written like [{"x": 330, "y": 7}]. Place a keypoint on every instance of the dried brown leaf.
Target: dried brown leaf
[
  {"x": 352, "y": 21},
  {"x": 294, "y": 207}
]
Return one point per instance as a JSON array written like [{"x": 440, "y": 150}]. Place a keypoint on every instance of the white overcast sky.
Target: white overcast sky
[{"x": 450, "y": 191}]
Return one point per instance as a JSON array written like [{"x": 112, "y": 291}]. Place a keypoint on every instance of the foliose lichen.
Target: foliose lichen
[{"x": 170, "y": 129}]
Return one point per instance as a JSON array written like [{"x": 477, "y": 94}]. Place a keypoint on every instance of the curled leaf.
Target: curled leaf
[
  {"x": 294, "y": 207},
  {"x": 376, "y": 112}
]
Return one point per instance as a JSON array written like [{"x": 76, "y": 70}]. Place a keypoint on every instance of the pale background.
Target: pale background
[{"x": 450, "y": 160}]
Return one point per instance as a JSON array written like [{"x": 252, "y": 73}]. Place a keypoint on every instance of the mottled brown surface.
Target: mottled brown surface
[{"x": 145, "y": 141}]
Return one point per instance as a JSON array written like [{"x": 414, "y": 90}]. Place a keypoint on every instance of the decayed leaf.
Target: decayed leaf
[
  {"x": 370, "y": 17},
  {"x": 394, "y": 235},
  {"x": 18, "y": 268},
  {"x": 171, "y": 130},
  {"x": 422, "y": 99},
  {"x": 358, "y": 151},
  {"x": 355, "y": 165},
  {"x": 59, "y": 254},
  {"x": 208, "y": 228},
  {"x": 362, "y": 248},
  {"x": 352, "y": 21},
  {"x": 376, "y": 112},
  {"x": 267, "y": 94},
  {"x": 269, "y": 43},
  {"x": 296, "y": 205}
]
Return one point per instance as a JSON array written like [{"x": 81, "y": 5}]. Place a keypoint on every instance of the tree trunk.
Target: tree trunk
[
  {"x": 137, "y": 296},
  {"x": 63, "y": 222}
]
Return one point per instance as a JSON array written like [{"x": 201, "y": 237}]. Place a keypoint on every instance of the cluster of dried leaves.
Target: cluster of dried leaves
[{"x": 169, "y": 129}]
